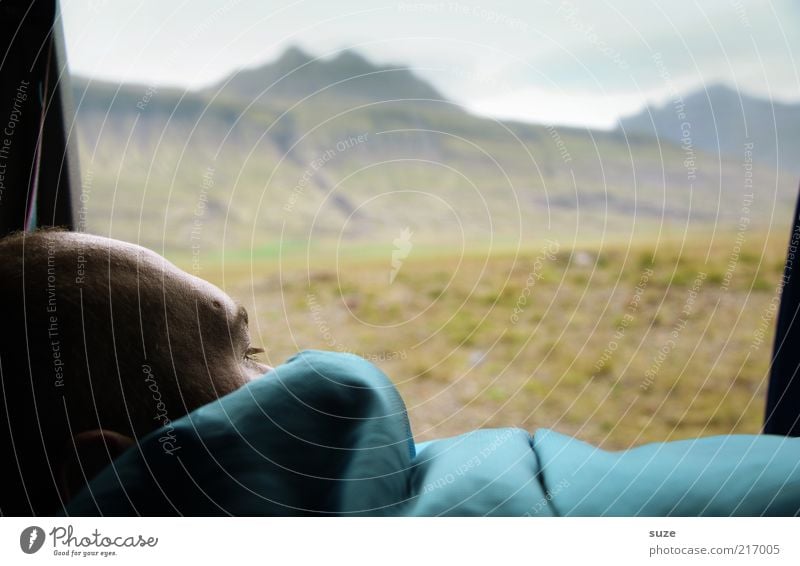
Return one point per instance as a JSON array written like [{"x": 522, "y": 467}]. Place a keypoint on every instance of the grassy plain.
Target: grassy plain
[{"x": 618, "y": 344}]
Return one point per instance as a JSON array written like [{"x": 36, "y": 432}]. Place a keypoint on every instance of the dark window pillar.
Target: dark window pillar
[{"x": 38, "y": 161}]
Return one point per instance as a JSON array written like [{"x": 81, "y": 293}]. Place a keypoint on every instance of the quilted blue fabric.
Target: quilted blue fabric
[{"x": 328, "y": 434}]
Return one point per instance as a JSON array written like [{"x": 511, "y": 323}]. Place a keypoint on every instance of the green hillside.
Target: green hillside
[{"x": 342, "y": 151}]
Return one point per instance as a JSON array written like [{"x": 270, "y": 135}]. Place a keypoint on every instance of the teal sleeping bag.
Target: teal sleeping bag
[{"x": 328, "y": 434}]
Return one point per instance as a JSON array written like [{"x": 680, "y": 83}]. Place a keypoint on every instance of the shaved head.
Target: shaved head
[{"x": 102, "y": 335}]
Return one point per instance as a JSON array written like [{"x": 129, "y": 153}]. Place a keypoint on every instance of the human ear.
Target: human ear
[{"x": 87, "y": 454}]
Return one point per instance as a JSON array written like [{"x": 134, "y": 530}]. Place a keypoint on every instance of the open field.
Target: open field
[
  {"x": 291, "y": 186},
  {"x": 617, "y": 345}
]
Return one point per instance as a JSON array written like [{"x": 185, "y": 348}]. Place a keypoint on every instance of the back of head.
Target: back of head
[{"x": 81, "y": 318}]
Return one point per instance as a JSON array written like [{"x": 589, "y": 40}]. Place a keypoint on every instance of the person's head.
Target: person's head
[{"x": 104, "y": 342}]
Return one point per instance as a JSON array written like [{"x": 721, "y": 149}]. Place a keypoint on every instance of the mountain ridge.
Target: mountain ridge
[
  {"x": 425, "y": 163},
  {"x": 721, "y": 119},
  {"x": 348, "y": 74}
]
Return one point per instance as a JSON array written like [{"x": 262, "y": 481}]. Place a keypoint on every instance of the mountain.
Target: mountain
[
  {"x": 340, "y": 150},
  {"x": 347, "y": 76},
  {"x": 720, "y": 119}
]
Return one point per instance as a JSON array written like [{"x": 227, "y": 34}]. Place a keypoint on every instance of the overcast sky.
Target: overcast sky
[{"x": 578, "y": 63}]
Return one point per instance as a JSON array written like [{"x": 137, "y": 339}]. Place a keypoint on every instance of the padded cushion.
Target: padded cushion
[{"x": 328, "y": 434}]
